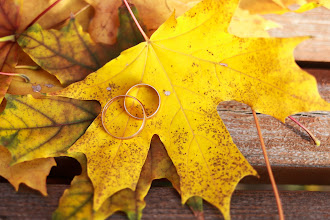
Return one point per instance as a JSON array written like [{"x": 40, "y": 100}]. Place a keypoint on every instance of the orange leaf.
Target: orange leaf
[
  {"x": 41, "y": 81},
  {"x": 32, "y": 173}
]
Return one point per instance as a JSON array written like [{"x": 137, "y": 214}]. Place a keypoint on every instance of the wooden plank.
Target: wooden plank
[
  {"x": 315, "y": 23},
  {"x": 164, "y": 203}
]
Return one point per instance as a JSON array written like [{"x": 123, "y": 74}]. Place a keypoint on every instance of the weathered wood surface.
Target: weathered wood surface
[
  {"x": 315, "y": 23},
  {"x": 164, "y": 203}
]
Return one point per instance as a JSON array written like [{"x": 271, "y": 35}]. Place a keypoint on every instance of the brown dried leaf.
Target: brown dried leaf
[{"x": 32, "y": 173}]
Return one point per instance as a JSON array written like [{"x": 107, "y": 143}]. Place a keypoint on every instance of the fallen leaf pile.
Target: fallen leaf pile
[{"x": 192, "y": 61}]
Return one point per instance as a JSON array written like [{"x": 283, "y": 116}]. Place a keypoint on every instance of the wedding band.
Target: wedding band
[
  {"x": 139, "y": 85},
  {"x": 106, "y": 108}
]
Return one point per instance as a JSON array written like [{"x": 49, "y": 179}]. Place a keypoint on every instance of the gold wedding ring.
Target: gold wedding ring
[
  {"x": 106, "y": 108},
  {"x": 139, "y": 85}
]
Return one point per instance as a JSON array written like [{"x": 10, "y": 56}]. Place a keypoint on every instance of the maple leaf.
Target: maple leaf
[
  {"x": 69, "y": 54},
  {"x": 32, "y": 173},
  {"x": 194, "y": 63},
  {"x": 32, "y": 128},
  {"x": 77, "y": 202}
]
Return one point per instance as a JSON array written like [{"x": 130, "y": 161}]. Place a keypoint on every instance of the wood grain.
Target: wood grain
[
  {"x": 315, "y": 23},
  {"x": 164, "y": 203}
]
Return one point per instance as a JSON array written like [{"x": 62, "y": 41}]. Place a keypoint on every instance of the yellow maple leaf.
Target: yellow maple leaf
[{"x": 194, "y": 63}]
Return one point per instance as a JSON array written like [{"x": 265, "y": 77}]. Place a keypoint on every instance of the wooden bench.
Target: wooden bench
[{"x": 295, "y": 159}]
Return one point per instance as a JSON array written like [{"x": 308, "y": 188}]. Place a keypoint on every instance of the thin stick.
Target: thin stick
[
  {"x": 72, "y": 16},
  {"x": 42, "y": 13},
  {"x": 136, "y": 21},
  {"x": 269, "y": 169},
  {"x": 25, "y": 77},
  {"x": 27, "y": 67},
  {"x": 316, "y": 141}
]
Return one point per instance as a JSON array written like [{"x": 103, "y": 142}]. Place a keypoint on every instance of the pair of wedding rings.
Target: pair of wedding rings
[{"x": 144, "y": 118}]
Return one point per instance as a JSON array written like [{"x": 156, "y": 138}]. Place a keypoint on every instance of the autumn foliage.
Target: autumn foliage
[{"x": 75, "y": 63}]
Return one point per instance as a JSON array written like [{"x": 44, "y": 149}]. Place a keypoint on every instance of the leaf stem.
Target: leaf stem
[
  {"x": 26, "y": 67},
  {"x": 8, "y": 38},
  {"x": 136, "y": 21},
  {"x": 42, "y": 13},
  {"x": 269, "y": 169},
  {"x": 316, "y": 141},
  {"x": 25, "y": 77},
  {"x": 72, "y": 16}
]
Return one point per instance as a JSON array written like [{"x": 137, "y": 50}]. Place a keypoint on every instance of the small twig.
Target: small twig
[
  {"x": 80, "y": 11},
  {"x": 269, "y": 169},
  {"x": 41, "y": 14},
  {"x": 316, "y": 141},
  {"x": 25, "y": 77},
  {"x": 136, "y": 21},
  {"x": 72, "y": 16}
]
